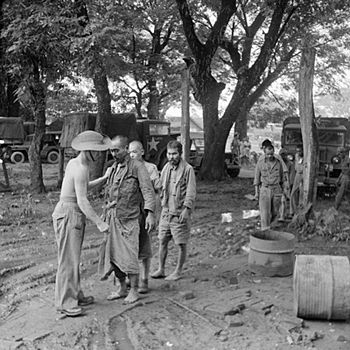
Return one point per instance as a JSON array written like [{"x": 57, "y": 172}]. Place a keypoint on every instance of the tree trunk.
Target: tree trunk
[
  {"x": 215, "y": 136},
  {"x": 153, "y": 101},
  {"x": 308, "y": 126},
  {"x": 241, "y": 124},
  {"x": 38, "y": 95},
  {"x": 12, "y": 103},
  {"x": 103, "y": 114}
]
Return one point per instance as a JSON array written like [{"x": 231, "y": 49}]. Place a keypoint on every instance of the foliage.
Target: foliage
[
  {"x": 259, "y": 41},
  {"x": 37, "y": 33}
]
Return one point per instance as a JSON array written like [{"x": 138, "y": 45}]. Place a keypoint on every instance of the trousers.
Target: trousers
[
  {"x": 69, "y": 227},
  {"x": 269, "y": 204}
]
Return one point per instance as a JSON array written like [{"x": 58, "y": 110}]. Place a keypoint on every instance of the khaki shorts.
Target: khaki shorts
[{"x": 169, "y": 227}]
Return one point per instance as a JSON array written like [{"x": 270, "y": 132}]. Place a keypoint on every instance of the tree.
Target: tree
[
  {"x": 258, "y": 40},
  {"x": 37, "y": 39},
  {"x": 152, "y": 49}
]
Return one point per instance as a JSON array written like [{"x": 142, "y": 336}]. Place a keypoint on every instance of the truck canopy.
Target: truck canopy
[
  {"x": 118, "y": 124},
  {"x": 11, "y": 129}
]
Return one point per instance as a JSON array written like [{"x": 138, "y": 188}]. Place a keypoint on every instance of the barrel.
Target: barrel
[
  {"x": 321, "y": 287},
  {"x": 271, "y": 253}
]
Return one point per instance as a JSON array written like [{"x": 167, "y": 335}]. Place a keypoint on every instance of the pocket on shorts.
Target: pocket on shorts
[
  {"x": 78, "y": 221},
  {"x": 58, "y": 220}
]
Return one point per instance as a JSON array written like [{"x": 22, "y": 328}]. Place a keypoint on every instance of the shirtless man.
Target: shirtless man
[
  {"x": 69, "y": 221},
  {"x": 136, "y": 151}
]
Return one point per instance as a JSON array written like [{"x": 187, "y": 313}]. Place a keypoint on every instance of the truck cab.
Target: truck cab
[
  {"x": 232, "y": 165},
  {"x": 154, "y": 136},
  {"x": 332, "y": 134}
]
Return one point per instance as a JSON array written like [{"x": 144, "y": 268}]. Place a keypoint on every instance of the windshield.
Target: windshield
[
  {"x": 330, "y": 138},
  {"x": 293, "y": 137},
  {"x": 325, "y": 137},
  {"x": 159, "y": 129}
]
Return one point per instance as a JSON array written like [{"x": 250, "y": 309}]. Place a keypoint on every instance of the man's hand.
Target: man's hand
[
  {"x": 256, "y": 196},
  {"x": 185, "y": 214},
  {"x": 150, "y": 222},
  {"x": 103, "y": 226},
  {"x": 286, "y": 193}
]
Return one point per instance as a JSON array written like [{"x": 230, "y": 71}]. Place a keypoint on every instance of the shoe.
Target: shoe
[
  {"x": 84, "y": 301},
  {"x": 143, "y": 288},
  {"x": 73, "y": 312}
]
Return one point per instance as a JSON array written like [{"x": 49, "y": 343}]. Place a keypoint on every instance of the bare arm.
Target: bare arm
[
  {"x": 81, "y": 184},
  {"x": 100, "y": 180}
]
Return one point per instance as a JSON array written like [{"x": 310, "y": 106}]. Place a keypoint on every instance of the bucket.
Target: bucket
[
  {"x": 321, "y": 287},
  {"x": 271, "y": 253}
]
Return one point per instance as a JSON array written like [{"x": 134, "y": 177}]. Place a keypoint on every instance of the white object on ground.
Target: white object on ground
[
  {"x": 226, "y": 217},
  {"x": 247, "y": 214}
]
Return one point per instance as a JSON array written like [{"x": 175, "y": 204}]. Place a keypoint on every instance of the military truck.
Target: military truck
[
  {"x": 332, "y": 134},
  {"x": 153, "y": 134},
  {"x": 232, "y": 165},
  {"x": 16, "y": 137}
]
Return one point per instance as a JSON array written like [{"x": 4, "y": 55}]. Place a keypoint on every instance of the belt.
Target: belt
[{"x": 274, "y": 185}]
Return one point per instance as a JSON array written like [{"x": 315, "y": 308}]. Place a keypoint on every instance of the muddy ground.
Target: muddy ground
[{"x": 193, "y": 313}]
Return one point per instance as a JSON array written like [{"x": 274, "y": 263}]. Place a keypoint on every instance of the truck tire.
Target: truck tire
[
  {"x": 52, "y": 157},
  {"x": 17, "y": 157},
  {"x": 233, "y": 172}
]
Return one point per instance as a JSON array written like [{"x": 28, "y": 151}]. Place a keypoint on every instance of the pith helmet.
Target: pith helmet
[{"x": 91, "y": 141}]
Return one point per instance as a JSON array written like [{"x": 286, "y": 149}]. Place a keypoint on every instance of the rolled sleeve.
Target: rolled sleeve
[
  {"x": 257, "y": 175},
  {"x": 146, "y": 188},
  {"x": 191, "y": 189}
]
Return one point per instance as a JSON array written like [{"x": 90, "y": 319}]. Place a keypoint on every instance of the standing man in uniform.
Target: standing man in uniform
[
  {"x": 128, "y": 189},
  {"x": 344, "y": 177},
  {"x": 271, "y": 181},
  {"x": 69, "y": 221},
  {"x": 178, "y": 192},
  {"x": 136, "y": 151}
]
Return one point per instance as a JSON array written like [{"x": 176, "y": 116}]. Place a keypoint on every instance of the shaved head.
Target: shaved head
[
  {"x": 121, "y": 140},
  {"x": 136, "y": 150}
]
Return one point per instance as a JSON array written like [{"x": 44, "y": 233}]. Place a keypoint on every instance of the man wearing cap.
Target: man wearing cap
[
  {"x": 344, "y": 177},
  {"x": 128, "y": 188},
  {"x": 136, "y": 151},
  {"x": 69, "y": 221},
  {"x": 270, "y": 181}
]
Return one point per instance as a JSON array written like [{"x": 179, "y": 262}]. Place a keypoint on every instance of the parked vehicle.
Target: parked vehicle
[
  {"x": 232, "y": 165},
  {"x": 16, "y": 137},
  {"x": 153, "y": 134},
  {"x": 332, "y": 134}
]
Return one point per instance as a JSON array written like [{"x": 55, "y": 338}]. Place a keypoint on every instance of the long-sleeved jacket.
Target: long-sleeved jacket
[
  {"x": 185, "y": 186},
  {"x": 128, "y": 187},
  {"x": 271, "y": 173}
]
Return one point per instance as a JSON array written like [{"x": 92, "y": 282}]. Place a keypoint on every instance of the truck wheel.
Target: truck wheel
[
  {"x": 52, "y": 157},
  {"x": 233, "y": 172},
  {"x": 17, "y": 157}
]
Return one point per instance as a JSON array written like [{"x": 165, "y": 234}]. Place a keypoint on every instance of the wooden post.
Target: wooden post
[
  {"x": 6, "y": 176},
  {"x": 308, "y": 125},
  {"x": 60, "y": 167},
  {"x": 185, "y": 114}
]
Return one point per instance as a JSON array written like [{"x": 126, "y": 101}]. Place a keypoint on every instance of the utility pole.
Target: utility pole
[{"x": 185, "y": 113}]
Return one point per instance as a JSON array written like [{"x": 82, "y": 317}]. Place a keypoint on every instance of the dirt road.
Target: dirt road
[{"x": 197, "y": 312}]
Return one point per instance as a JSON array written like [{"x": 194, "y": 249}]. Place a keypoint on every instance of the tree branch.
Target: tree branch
[
  {"x": 270, "y": 40},
  {"x": 228, "y": 8},
  {"x": 232, "y": 50},
  {"x": 195, "y": 45}
]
